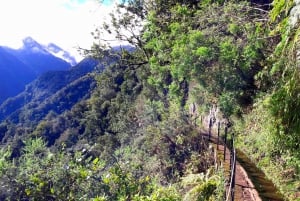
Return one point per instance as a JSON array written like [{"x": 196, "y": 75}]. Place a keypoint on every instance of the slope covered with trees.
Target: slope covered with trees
[
  {"x": 19, "y": 67},
  {"x": 133, "y": 138}
]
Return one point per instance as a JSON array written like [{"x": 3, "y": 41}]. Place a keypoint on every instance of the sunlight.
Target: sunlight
[{"x": 67, "y": 23}]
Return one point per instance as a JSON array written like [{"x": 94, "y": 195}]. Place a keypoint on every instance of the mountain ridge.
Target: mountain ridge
[
  {"x": 18, "y": 67},
  {"x": 48, "y": 84},
  {"x": 34, "y": 54}
]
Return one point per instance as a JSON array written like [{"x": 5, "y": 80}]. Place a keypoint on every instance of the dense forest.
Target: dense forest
[{"x": 123, "y": 130}]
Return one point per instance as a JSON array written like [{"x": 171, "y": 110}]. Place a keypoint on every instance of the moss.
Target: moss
[{"x": 280, "y": 8}]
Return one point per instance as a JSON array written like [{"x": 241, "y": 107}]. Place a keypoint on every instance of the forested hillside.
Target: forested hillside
[
  {"x": 19, "y": 67},
  {"x": 133, "y": 138},
  {"x": 54, "y": 91}
]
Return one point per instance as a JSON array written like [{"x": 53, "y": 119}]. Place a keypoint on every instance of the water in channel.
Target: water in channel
[{"x": 266, "y": 189}]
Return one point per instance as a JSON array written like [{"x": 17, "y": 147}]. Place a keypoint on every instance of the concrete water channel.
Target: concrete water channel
[
  {"x": 266, "y": 189},
  {"x": 259, "y": 188}
]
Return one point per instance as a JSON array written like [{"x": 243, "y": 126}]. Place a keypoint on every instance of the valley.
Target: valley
[{"x": 139, "y": 121}]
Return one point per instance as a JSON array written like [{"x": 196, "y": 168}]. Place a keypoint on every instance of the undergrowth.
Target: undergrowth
[{"x": 255, "y": 137}]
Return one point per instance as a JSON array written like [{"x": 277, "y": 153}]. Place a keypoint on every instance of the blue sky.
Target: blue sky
[
  {"x": 106, "y": 2},
  {"x": 68, "y": 23}
]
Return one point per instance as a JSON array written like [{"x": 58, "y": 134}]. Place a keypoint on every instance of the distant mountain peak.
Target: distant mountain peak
[
  {"x": 29, "y": 40},
  {"x": 60, "y": 53},
  {"x": 54, "y": 48},
  {"x": 32, "y": 45}
]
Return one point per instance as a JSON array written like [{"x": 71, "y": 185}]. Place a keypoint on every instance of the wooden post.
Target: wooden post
[
  {"x": 231, "y": 142},
  {"x": 225, "y": 142},
  {"x": 218, "y": 135},
  {"x": 209, "y": 128}
]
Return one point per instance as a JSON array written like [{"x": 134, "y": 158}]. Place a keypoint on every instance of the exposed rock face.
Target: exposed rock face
[
  {"x": 293, "y": 23},
  {"x": 295, "y": 14}
]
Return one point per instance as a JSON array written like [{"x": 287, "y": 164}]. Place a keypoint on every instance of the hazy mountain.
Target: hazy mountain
[
  {"x": 55, "y": 90},
  {"x": 14, "y": 74},
  {"x": 19, "y": 67},
  {"x": 38, "y": 57},
  {"x": 60, "y": 53}
]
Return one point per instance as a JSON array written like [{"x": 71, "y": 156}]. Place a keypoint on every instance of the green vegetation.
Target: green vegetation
[{"x": 131, "y": 137}]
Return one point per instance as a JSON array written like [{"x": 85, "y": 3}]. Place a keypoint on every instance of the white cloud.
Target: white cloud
[{"x": 68, "y": 23}]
